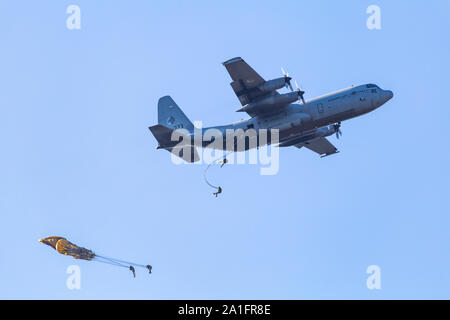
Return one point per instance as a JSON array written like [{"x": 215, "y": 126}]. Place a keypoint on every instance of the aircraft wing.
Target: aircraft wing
[
  {"x": 245, "y": 81},
  {"x": 319, "y": 145}
]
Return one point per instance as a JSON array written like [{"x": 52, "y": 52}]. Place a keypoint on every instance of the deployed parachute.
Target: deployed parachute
[
  {"x": 68, "y": 248},
  {"x": 63, "y": 246}
]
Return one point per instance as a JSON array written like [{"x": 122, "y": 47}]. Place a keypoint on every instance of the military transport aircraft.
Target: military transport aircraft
[{"x": 300, "y": 124}]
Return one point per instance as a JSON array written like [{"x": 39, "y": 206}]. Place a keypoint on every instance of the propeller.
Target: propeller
[
  {"x": 337, "y": 129},
  {"x": 300, "y": 93},
  {"x": 287, "y": 79}
]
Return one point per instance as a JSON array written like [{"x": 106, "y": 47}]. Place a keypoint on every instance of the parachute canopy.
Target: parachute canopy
[{"x": 63, "y": 246}]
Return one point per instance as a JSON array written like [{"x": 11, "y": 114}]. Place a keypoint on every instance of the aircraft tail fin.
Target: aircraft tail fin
[
  {"x": 163, "y": 135},
  {"x": 186, "y": 151},
  {"x": 171, "y": 116}
]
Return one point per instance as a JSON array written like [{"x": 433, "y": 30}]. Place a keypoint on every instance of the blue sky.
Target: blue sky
[{"x": 78, "y": 160}]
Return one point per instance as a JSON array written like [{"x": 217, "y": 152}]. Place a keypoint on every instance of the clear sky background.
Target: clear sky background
[{"x": 77, "y": 159}]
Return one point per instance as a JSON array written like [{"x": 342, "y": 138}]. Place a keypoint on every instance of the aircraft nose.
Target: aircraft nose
[
  {"x": 386, "y": 96},
  {"x": 389, "y": 94}
]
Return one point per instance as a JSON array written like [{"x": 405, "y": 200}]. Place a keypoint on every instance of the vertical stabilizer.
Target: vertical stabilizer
[{"x": 171, "y": 116}]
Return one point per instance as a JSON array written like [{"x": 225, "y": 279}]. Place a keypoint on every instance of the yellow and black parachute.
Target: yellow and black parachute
[{"x": 63, "y": 246}]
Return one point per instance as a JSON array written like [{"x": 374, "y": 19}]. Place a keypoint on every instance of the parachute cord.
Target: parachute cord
[
  {"x": 121, "y": 262},
  {"x": 206, "y": 179},
  {"x": 111, "y": 263},
  {"x": 207, "y": 168}
]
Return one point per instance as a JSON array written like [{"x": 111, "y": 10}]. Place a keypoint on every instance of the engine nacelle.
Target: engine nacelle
[
  {"x": 273, "y": 85},
  {"x": 270, "y": 103},
  {"x": 321, "y": 132}
]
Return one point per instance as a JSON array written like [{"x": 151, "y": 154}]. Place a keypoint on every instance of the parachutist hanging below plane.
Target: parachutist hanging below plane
[
  {"x": 223, "y": 162},
  {"x": 219, "y": 191}
]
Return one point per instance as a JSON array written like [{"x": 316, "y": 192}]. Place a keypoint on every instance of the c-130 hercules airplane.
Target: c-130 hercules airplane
[{"x": 305, "y": 124}]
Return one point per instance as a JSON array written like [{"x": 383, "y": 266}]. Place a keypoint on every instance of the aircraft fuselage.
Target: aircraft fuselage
[{"x": 315, "y": 119}]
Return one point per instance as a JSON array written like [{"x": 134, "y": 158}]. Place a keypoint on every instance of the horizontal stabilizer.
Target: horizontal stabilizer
[{"x": 181, "y": 147}]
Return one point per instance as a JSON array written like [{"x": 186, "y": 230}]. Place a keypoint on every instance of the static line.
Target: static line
[{"x": 207, "y": 168}]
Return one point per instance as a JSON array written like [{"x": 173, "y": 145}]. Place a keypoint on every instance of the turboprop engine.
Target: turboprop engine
[
  {"x": 275, "y": 84},
  {"x": 270, "y": 103},
  {"x": 321, "y": 132}
]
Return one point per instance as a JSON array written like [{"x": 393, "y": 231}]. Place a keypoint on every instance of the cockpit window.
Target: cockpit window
[{"x": 370, "y": 85}]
